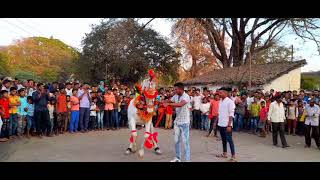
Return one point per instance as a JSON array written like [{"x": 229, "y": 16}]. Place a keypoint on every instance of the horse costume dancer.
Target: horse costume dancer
[{"x": 140, "y": 112}]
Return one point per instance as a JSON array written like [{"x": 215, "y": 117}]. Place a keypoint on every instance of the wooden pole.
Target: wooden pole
[
  {"x": 250, "y": 62},
  {"x": 291, "y": 52}
]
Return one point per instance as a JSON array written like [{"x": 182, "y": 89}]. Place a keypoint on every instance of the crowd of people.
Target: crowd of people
[{"x": 35, "y": 109}]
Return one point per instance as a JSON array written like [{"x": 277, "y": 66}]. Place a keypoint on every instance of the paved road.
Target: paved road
[{"x": 109, "y": 146}]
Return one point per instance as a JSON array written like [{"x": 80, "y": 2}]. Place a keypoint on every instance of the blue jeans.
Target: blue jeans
[
  {"x": 226, "y": 137},
  {"x": 100, "y": 118},
  {"x": 13, "y": 124},
  {"x": 84, "y": 118},
  {"x": 254, "y": 123},
  {"x": 116, "y": 118},
  {"x": 182, "y": 130},
  {"x": 30, "y": 122},
  {"x": 238, "y": 122},
  {"x": 204, "y": 122},
  {"x": 74, "y": 121}
]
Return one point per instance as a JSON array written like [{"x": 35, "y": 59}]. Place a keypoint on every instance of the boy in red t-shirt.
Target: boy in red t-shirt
[
  {"x": 263, "y": 115},
  {"x": 5, "y": 115},
  {"x": 169, "y": 112}
]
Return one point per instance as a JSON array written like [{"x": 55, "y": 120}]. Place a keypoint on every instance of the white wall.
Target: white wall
[{"x": 290, "y": 81}]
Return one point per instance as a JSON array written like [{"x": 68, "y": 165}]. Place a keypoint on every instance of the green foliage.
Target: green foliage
[
  {"x": 275, "y": 53},
  {"x": 309, "y": 82},
  {"x": 41, "y": 58},
  {"x": 4, "y": 68},
  {"x": 120, "y": 49}
]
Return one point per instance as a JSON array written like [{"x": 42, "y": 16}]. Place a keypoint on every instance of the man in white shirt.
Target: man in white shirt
[
  {"x": 180, "y": 101},
  {"x": 196, "y": 101},
  {"x": 31, "y": 87},
  {"x": 276, "y": 116},
  {"x": 311, "y": 124},
  {"x": 68, "y": 89},
  {"x": 6, "y": 85},
  {"x": 225, "y": 120}
]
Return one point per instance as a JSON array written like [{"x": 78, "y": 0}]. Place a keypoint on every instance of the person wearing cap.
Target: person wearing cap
[
  {"x": 276, "y": 116},
  {"x": 150, "y": 82},
  {"x": 101, "y": 86},
  {"x": 225, "y": 123}
]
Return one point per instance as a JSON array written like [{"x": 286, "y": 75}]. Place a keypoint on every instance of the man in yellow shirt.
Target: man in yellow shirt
[{"x": 14, "y": 102}]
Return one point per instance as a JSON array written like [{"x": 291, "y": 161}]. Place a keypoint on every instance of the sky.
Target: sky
[{"x": 72, "y": 30}]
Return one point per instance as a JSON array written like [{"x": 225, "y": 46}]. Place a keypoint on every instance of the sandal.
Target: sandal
[
  {"x": 221, "y": 156},
  {"x": 232, "y": 160}
]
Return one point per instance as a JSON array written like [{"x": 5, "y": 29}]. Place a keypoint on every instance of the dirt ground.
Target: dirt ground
[{"x": 109, "y": 146}]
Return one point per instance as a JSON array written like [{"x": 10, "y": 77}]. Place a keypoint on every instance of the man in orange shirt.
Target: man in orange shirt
[
  {"x": 110, "y": 101},
  {"x": 61, "y": 110},
  {"x": 214, "y": 112}
]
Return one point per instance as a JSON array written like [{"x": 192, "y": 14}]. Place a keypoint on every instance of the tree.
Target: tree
[
  {"x": 309, "y": 82},
  {"x": 276, "y": 53},
  {"x": 252, "y": 35},
  {"x": 4, "y": 67},
  {"x": 125, "y": 50},
  {"x": 36, "y": 56},
  {"x": 195, "y": 43}
]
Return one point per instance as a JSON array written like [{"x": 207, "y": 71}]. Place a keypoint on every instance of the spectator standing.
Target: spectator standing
[
  {"x": 68, "y": 89},
  {"x": 169, "y": 112},
  {"x": 62, "y": 111},
  {"x": 93, "y": 114},
  {"x": 196, "y": 101},
  {"x": 100, "y": 109},
  {"x": 311, "y": 124},
  {"x": 116, "y": 109},
  {"x": 22, "y": 123},
  {"x": 5, "y": 115},
  {"x": 84, "y": 97},
  {"x": 124, "y": 112},
  {"x": 109, "y": 100},
  {"x": 276, "y": 116},
  {"x": 75, "y": 107},
  {"x": 225, "y": 121},
  {"x": 31, "y": 87},
  {"x": 14, "y": 100},
  {"x": 205, "y": 109},
  {"x": 239, "y": 114},
  {"x": 263, "y": 116},
  {"x": 301, "y": 118},
  {"x": 40, "y": 99},
  {"x": 214, "y": 112},
  {"x": 52, "y": 109},
  {"x": 254, "y": 114},
  {"x": 292, "y": 116},
  {"x": 6, "y": 85},
  {"x": 30, "y": 116}
]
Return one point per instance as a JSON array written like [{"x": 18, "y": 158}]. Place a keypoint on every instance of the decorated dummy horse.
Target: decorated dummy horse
[{"x": 140, "y": 112}]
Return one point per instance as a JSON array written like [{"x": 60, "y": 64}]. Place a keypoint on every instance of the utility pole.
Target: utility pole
[
  {"x": 250, "y": 62},
  {"x": 292, "y": 52}
]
